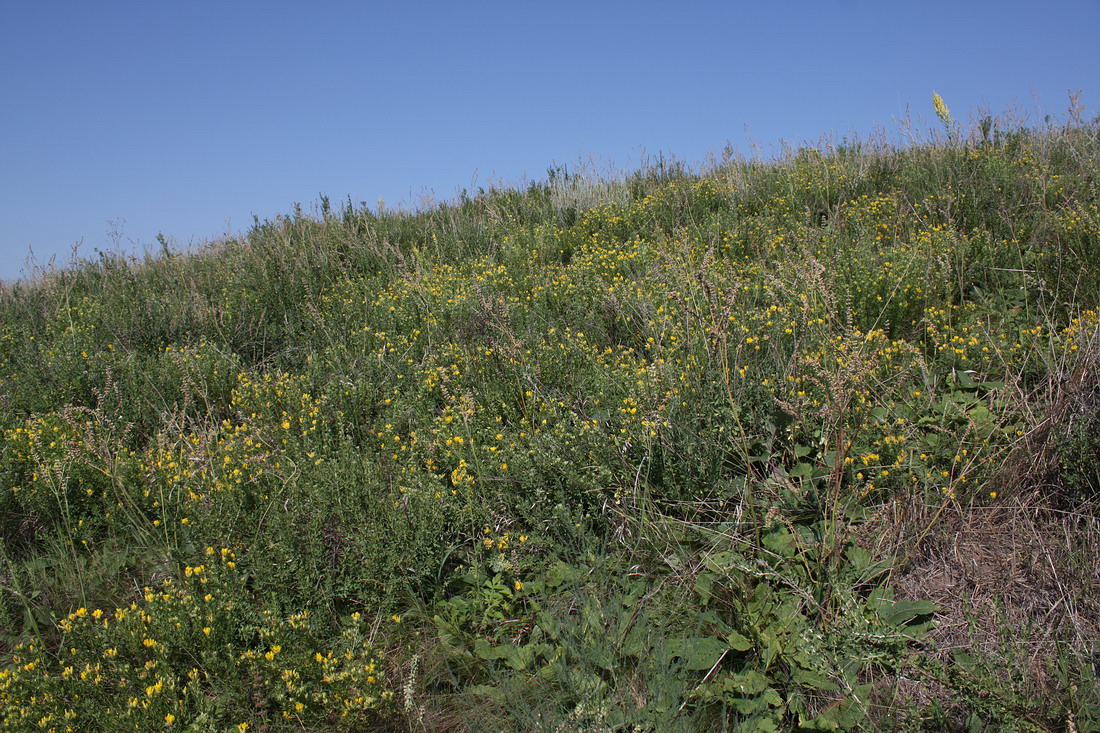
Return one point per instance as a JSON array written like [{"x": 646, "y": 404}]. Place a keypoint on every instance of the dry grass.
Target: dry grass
[
  {"x": 1017, "y": 582},
  {"x": 1018, "y": 588}
]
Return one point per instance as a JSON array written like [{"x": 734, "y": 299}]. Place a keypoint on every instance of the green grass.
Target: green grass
[{"x": 678, "y": 450}]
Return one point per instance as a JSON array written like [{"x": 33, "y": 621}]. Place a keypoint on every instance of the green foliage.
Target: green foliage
[
  {"x": 1078, "y": 450},
  {"x": 607, "y": 442},
  {"x": 200, "y": 653},
  {"x": 743, "y": 643}
]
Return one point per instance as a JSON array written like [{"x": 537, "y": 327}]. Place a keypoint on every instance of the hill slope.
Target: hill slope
[{"x": 810, "y": 442}]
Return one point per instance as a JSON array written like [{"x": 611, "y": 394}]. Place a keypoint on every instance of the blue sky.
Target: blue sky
[{"x": 188, "y": 118}]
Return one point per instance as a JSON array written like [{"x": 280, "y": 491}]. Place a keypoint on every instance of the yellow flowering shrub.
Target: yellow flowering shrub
[{"x": 198, "y": 652}]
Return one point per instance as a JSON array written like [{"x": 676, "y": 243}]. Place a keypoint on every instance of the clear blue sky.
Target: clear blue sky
[{"x": 189, "y": 117}]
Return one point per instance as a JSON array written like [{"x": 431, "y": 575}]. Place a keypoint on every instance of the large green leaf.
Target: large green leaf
[
  {"x": 901, "y": 613},
  {"x": 699, "y": 652}
]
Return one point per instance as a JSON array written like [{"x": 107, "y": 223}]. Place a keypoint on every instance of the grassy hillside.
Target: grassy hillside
[{"x": 811, "y": 442}]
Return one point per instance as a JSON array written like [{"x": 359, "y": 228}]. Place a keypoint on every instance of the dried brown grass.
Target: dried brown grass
[{"x": 1016, "y": 578}]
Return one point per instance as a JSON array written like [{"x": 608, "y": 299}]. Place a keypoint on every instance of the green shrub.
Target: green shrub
[{"x": 197, "y": 653}]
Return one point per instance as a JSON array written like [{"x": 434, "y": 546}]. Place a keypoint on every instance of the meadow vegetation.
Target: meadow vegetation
[{"x": 807, "y": 443}]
